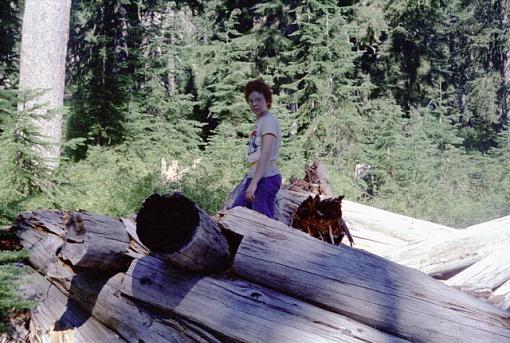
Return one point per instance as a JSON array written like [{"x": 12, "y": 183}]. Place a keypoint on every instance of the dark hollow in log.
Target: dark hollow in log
[
  {"x": 176, "y": 230},
  {"x": 165, "y": 223}
]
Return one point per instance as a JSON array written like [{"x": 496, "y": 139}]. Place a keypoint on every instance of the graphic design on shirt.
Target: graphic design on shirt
[{"x": 252, "y": 145}]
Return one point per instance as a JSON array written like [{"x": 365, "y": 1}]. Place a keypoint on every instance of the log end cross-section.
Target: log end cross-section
[{"x": 178, "y": 231}]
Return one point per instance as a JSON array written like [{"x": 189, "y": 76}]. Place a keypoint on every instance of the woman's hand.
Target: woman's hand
[{"x": 250, "y": 191}]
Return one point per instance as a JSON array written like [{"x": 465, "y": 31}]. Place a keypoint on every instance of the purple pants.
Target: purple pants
[{"x": 265, "y": 195}]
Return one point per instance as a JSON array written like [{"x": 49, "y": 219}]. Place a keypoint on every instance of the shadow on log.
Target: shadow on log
[{"x": 176, "y": 230}]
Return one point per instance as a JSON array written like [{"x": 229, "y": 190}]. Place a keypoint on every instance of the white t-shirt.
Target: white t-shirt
[{"x": 267, "y": 124}]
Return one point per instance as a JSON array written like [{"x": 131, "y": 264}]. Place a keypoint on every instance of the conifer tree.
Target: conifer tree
[{"x": 10, "y": 30}]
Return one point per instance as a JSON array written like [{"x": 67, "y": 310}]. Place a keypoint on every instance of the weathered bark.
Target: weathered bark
[
  {"x": 445, "y": 256},
  {"x": 374, "y": 291},
  {"x": 178, "y": 231},
  {"x": 484, "y": 276},
  {"x": 40, "y": 234},
  {"x": 42, "y": 67},
  {"x": 230, "y": 310},
  {"x": 501, "y": 296},
  {"x": 84, "y": 239},
  {"x": 320, "y": 293},
  {"x": 241, "y": 311},
  {"x": 94, "y": 241},
  {"x": 91, "y": 301},
  {"x": 100, "y": 298}
]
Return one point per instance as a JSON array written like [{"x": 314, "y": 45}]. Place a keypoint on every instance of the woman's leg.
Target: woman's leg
[
  {"x": 265, "y": 195},
  {"x": 240, "y": 199}
]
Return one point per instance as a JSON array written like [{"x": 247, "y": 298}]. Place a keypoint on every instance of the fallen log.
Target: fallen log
[
  {"x": 41, "y": 247},
  {"x": 101, "y": 297},
  {"x": 91, "y": 301},
  {"x": 396, "y": 225},
  {"x": 241, "y": 311},
  {"x": 483, "y": 277},
  {"x": 501, "y": 296},
  {"x": 48, "y": 322},
  {"x": 84, "y": 239},
  {"x": 174, "y": 229},
  {"x": 332, "y": 283},
  {"x": 374, "y": 291},
  {"x": 94, "y": 241},
  {"x": 445, "y": 256}
]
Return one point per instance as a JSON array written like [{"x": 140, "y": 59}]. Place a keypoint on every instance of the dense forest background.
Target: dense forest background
[{"x": 414, "y": 89}]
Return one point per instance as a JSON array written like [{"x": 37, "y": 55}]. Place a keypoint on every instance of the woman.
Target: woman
[{"x": 263, "y": 180}]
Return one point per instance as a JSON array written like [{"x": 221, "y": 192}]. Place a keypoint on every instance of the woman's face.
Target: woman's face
[{"x": 258, "y": 104}]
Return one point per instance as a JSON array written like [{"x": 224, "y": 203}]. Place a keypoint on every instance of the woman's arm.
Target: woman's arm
[{"x": 268, "y": 141}]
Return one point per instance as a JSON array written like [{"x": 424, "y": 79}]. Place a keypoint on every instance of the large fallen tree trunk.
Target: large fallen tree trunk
[
  {"x": 398, "y": 300},
  {"x": 101, "y": 297},
  {"x": 83, "y": 239},
  {"x": 445, "y": 256},
  {"x": 278, "y": 265},
  {"x": 241, "y": 311},
  {"x": 55, "y": 321},
  {"x": 94, "y": 241},
  {"x": 489, "y": 278},
  {"x": 483, "y": 277},
  {"x": 90, "y": 301}
]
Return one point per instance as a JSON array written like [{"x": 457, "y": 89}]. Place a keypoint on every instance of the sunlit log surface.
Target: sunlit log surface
[
  {"x": 444, "y": 256},
  {"x": 377, "y": 292}
]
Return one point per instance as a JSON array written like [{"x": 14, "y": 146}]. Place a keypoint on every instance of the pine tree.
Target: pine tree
[
  {"x": 10, "y": 31},
  {"x": 101, "y": 69}
]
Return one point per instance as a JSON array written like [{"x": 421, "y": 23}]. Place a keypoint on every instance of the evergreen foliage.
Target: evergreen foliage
[
  {"x": 410, "y": 88},
  {"x": 24, "y": 174},
  {"x": 10, "y": 30}
]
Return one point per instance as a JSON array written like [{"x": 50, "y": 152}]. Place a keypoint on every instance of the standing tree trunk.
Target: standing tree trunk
[
  {"x": 42, "y": 67},
  {"x": 505, "y": 23}
]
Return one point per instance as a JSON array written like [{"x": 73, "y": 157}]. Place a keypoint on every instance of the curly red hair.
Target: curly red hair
[{"x": 261, "y": 87}]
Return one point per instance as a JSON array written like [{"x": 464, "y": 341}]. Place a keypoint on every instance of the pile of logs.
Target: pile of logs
[{"x": 178, "y": 275}]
